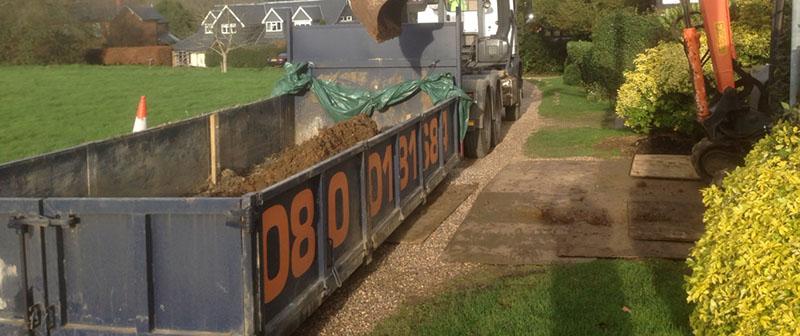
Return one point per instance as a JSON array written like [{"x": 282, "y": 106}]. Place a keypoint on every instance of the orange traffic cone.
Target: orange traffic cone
[{"x": 141, "y": 116}]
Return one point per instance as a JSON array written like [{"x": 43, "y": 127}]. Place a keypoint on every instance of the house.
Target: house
[
  {"x": 257, "y": 23},
  {"x": 346, "y": 14},
  {"x": 307, "y": 15},
  {"x": 98, "y": 13},
  {"x": 139, "y": 26}
]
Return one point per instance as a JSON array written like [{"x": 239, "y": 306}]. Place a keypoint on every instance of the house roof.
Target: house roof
[
  {"x": 313, "y": 13},
  {"x": 248, "y": 14},
  {"x": 328, "y": 9},
  {"x": 147, "y": 13},
  {"x": 346, "y": 11},
  {"x": 199, "y": 41},
  {"x": 168, "y": 38},
  {"x": 210, "y": 17},
  {"x": 256, "y": 13},
  {"x": 272, "y": 16}
]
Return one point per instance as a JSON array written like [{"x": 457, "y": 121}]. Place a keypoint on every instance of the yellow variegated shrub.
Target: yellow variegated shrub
[
  {"x": 658, "y": 93},
  {"x": 746, "y": 268}
]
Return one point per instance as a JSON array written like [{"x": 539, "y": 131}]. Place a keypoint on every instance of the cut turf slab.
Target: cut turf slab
[
  {"x": 544, "y": 211},
  {"x": 421, "y": 224},
  {"x": 663, "y": 166},
  {"x": 665, "y": 220}
]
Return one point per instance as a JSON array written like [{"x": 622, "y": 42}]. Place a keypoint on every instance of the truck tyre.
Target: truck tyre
[
  {"x": 497, "y": 117},
  {"x": 477, "y": 143},
  {"x": 712, "y": 160},
  {"x": 513, "y": 112}
]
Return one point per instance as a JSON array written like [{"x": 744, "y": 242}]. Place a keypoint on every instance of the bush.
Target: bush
[
  {"x": 579, "y": 53},
  {"x": 540, "y": 55},
  {"x": 572, "y": 75},
  {"x": 745, "y": 269},
  {"x": 658, "y": 93},
  {"x": 617, "y": 38},
  {"x": 42, "y": 32},
  {"x": 247, "y": 57},
  {"x": 577, "y": 17}
]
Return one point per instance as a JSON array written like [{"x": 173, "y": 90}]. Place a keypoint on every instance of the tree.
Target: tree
[
  {"x": 42, "y": 32},
  {"x": 229, "y": 36},
  {"x": 182, "y": 22},
  {"x": 577, "y": 17}
]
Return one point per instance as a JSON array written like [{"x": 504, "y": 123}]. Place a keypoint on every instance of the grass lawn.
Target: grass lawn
[
  {"x": 570, "y": 142},
  {"x": 568, "y": 103},
  {"x": 580, "y": 124},
  {"x": 604, "y": 297},
  {"x": 53, "y": 107}
]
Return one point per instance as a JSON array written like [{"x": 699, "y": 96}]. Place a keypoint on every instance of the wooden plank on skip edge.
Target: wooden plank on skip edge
[
  {"x": 213, "y": 124},
  {"x": 663, "y": 166}
]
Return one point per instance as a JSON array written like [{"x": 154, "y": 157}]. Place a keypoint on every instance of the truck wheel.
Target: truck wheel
[
  {"x": 513, "y": 112},
  {"x": 712, "y": 160},
  {"x": 497, "y": 117},
  {"x": 478, "y": 141},
  {"x": 497, "y": 125}
]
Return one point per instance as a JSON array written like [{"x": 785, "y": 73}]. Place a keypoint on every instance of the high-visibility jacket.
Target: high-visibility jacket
[{"x": 456, "y": 3}]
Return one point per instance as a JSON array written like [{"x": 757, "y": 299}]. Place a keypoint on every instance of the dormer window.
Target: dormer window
[
  {"x": 228, "y": 28},
  {"x": 209, "y": 29},
  {"x": 346, "y": 18},
  {"x": 274, "y": 26}
]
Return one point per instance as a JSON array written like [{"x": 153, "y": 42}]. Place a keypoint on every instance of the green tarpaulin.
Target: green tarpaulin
[{"x": 343, "y": 103}]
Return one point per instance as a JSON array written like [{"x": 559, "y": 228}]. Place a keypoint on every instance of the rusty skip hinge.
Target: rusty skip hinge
[{"x": 25, "y": 221}]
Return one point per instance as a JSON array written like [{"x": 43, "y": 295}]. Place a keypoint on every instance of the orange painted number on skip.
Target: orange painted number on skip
[
  {"x": 378, "y": 169},
  {"x": 301, "y": 227},
  {"x": 338, "y": 186},
  {"x": 445, "y": 134},
  {"x": 407, "y": 152},
  {"x": 431, "y": 145}
]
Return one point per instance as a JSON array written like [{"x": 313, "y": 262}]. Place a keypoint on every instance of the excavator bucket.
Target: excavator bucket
[{"x": 381, "y": 18}]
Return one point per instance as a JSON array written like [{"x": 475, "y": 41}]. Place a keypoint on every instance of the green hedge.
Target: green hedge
[
  {"x": 579, "y": 53},
  {"x": 618, "y": 37},
  {"x": 541, "y": 55},
  {"x": 658, "y": 94},
  {"x": 616, "y": 40},
  {"x": 248, "y": 57},
  {"x": 746, "y": 268},
  {"x": 572, "y": 75}
]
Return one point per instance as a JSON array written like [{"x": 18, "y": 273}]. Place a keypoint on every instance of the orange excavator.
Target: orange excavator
[{"x": 737, "y": 111}]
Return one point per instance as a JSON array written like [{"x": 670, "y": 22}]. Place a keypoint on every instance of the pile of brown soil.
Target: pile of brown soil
[{"x": 329, "y": 142}]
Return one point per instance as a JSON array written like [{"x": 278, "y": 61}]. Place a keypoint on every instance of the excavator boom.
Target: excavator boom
[
  {"x": 381, "y": 18},
  {"x": 717, "y": 25}
]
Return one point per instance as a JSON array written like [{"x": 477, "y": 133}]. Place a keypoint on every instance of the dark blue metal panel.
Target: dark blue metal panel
[
  {"x": 198, "y": 273},
  {"x": 341, "y": 206},
  {"x": 134, "y": 266}
]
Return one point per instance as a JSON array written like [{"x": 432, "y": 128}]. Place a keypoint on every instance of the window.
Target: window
[
  {"x": 229, "y": 28},
  {"x": 302, "y": 23},
  {"x": 346, "y": 18},
  {"x": 274, "y": 26},
  {"x": 209, "y": 29}
]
